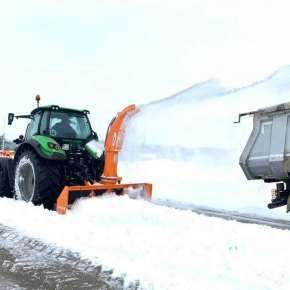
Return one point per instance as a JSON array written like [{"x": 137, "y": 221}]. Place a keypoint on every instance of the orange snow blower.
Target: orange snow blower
[
  {"x": 110, "y": 182},
  {"x": 60, "y": 159}
]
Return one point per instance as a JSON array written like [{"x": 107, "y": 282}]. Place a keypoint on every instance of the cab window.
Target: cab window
[
  {"x": 33, "y": 126},
  {"x": 69, "y": 125},
  {"x": 44, "y": 123}
]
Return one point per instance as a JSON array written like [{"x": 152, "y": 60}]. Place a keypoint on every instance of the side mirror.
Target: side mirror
[{"x": 10, "y": 118}]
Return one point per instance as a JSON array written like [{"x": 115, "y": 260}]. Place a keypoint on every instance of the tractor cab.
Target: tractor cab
[
  {"x": 59, "y": 130},
  {"x": 58, "y": 123}
]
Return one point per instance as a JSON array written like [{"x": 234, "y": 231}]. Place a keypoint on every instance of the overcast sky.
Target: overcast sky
[{"x": 102, "y": 55}]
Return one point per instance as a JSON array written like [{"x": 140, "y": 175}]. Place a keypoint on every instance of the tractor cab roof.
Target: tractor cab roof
[{"x": 58, "y": 108}]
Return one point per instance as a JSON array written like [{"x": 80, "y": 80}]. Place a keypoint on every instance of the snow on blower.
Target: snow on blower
[
  {"x": 267, "y": 152},
  {"x": 60, "y": 159}
]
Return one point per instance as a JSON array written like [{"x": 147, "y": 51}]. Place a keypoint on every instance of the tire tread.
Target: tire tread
[{"x": 48, "y": 180}]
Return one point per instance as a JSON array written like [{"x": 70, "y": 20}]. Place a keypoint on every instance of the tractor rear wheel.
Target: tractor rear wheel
[
  {"x": 5, "y": 189},
  {"x": 37, "y": 180}
]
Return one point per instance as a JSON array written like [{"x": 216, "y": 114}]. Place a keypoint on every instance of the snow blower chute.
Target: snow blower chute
[{"x": 60, "y": 159}]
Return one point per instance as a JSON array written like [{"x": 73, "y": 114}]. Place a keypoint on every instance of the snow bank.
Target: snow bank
[
  {"x": 189, "y": 148},
  {"x": 162, "y": 247}
]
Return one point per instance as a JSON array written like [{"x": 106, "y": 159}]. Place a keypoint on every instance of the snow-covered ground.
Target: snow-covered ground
[
  {"x": 189, "y": 148},
  {"x": 163, "y": 248}
]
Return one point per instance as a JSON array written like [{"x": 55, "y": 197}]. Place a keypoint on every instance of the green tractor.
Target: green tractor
[{"x": 58, "y": 149}]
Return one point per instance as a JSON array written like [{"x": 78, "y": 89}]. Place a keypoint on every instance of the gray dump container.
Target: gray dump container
[{"x": 267, "y": 152}]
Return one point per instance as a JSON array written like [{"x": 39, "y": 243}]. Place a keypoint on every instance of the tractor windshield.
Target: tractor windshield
[{"x": 69, "y": 125}]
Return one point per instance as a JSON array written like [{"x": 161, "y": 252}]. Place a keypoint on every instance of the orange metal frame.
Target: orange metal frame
[
  {"x": 6, "y": 153},
  {"x": 63, "y": 199},
  {"x": 110, "y": 180}
]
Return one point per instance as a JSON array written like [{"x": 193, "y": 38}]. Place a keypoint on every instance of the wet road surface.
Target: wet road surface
[{"x": 30, "y": 264}]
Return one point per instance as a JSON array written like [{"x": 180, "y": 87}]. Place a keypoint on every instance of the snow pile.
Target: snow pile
[
  {"x": 162, "y": 247},
  {"x": 189, "y": 149}
]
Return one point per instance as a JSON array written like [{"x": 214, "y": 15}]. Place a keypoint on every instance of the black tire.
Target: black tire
[
  {"x": 5, "y": 189},
  {"x": 37, "y": 180}
]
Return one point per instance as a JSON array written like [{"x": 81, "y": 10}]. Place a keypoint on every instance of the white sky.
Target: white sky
[{"x": 103, "y": 55}]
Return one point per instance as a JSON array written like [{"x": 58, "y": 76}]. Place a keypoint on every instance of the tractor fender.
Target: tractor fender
[{"x": 38, "y": 148}]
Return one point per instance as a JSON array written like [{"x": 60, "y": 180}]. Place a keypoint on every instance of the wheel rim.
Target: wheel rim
[{"x": 26, "y": 181}]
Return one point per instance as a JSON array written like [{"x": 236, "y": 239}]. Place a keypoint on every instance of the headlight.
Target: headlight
[{"x": 54, "y": 146}]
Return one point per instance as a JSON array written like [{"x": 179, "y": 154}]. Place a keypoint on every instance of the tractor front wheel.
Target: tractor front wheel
[{"x": 36, "y": 180}]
